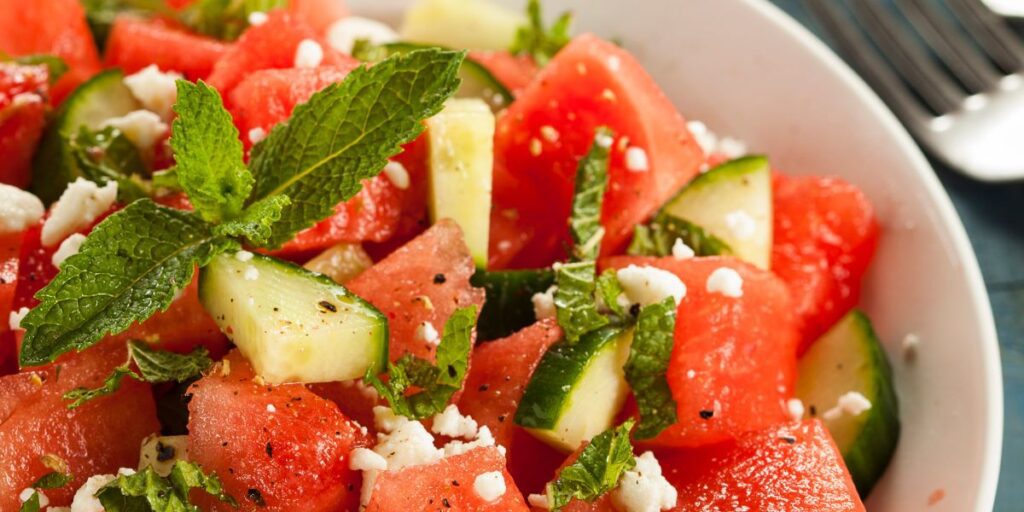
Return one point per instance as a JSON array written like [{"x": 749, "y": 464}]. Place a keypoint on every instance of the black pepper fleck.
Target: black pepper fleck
[
  {"x": 789, "y": 439},
  {"x": 440, "y": 279},
  {"x": 270, "y": 450},
  {"x": 254, "y": 496},
  {"x": 455, "y": 483},
  {"x": 634, "y": 310},
  {"x": 328, "y": 306},
  {"x": 164, "y": 452},
  {"x": 706, "y": 414},
  {"x": 444, "y": 501},
  {"x": 813, "y": 411},
  {"x": 483, "y": 387}
]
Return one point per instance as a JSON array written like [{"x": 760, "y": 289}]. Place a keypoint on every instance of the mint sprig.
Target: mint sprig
[
  {"x": 597, "y": 470},
  {"x": 347, "y": 132},
  {"x": 538, "y": 41},
  {"x": 106, "y": 155},
  {"x": 225, "y": 19},
  {"x": 437, "y": 382},
  {"x": 657, "y": 237},
  {"x": 51, "y": 480},
  {"x": 148, "y": 491},
  {"x": 647, "y": 366}
]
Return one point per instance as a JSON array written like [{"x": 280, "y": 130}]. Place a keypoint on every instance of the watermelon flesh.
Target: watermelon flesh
[{"x": 135, "y": 43}]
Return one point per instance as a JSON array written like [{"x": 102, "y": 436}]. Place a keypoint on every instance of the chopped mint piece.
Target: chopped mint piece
[
  {"x": 597, "y": 470},
  {"x": 647, "y": 366},
  {"x": 541, "y": 43},
  {"x": 147, "y": 491}
]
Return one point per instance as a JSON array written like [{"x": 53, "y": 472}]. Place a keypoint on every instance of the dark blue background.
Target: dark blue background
[{"x": 994, "y": 217}]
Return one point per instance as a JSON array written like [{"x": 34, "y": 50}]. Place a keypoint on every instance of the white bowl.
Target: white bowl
[{"x": 746, "y": 69}]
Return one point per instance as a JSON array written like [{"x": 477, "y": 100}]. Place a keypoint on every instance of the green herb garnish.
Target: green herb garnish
[
  {"x": 147, "y": 491},
  {"x": 106, "y": 155},
  {"x": 539, "y": 42},
  {"x": 596, "y": 471},
  {"x": 660, "y": 234},
  {"x": 647, "y": 366}
]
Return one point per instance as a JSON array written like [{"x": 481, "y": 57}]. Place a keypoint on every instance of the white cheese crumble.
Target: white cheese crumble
[
  {"x": 244, "y": 256},
  {"x": 308, "y": 54},
  {"x": 343, "y": 34},
  {"x": 257, "y": 18},
  {"x": 710, "y": 143},
  {"x": 648, "y": 285},
  {"x": 452, "y": 423},
  {"x": 251, "y": 273},
  {"x": 14, "y": 319},
  {"x": 614, "y": 63},
  {"x": 604, "y": 140},
  {"x": 681, "y": 251},
  {"x": 644, "y": 488},
  {"x": 741, "y": 224},
  {"x": 271, "y": 408},
  {"x": 691, "y": 374},
  {"x": 483, "y": 439},
  {"x": 256, "y": 135},
  {"x": 68, "y": 248},
  {"x": 142, "y": 127},
  {"x": 156, "y": 90},
  {"x": 85, "y": 500},
  {"x": 725, "y": 281},
  {"x": 364, "y": 459},
  {"x": 397, "y": 174},
  {"x": 636, "y": 159},
  {"x": 78, "y": 207},
  {"x": 18, "y": 209},
  {"x": 489, "y": 486},
  {"x": 538, "y": 501},
  {"x": 426, "y": 332},
  {"x": 544, "y": 303},
  {"x": 26, "y": 494},
  {"x": 851, "y": 402},
  {"x": 795, "y": 408}
]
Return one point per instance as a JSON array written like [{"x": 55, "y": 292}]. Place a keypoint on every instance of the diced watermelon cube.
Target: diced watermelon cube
[{"x": 135, "y": 43}]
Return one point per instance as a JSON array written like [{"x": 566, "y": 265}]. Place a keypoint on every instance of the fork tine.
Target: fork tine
[
  {"x": 907, "y": 57},
  {"x": 991, "y": 33},
  {"x": 949, "y": 42},
  {"x": 863, "y": 56}
]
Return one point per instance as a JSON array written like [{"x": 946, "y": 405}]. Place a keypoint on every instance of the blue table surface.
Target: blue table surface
[{"x": 994, "y": 218}]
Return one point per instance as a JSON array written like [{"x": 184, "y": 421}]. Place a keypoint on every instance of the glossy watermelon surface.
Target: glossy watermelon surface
[
  {"x": 24, "y": 100},
  {"x": 135, "y": 43}
]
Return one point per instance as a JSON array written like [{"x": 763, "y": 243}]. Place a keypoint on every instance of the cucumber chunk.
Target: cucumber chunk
[
  {"x": 577, "y": 390},
  {"x": 850, "y": 358},
  {"x": 509, "y": 304},
  {"x": 472, "y": 24},
  {"x": 292, "y": 324},
  {"x": 733, "y": 202},
  {"x": 103, "y": 97},
  {"x": 461, "y": 145}
]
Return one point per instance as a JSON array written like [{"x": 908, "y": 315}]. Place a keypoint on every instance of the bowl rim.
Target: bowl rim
[{"x": 989, "y": 342}]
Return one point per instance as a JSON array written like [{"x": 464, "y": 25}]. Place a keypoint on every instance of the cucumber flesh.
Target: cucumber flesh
[
  {"x": 461, "y": 146},
  {"x": 849, "y": 358},
  {"x": 471, "y": 24},
  {"x": 293, "y": 325},
  {"x": 103, "y": 97},
  {"x": 733, "y": 202},
  {"x": 509, "y": 304},
  {"x": 577, "y": 390}
]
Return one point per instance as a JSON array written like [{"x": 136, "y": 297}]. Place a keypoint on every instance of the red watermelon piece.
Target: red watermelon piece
[
  {"x": 135, "y": 43},
  {"x": 445, "y": 485},
  {"x": 741, "y": 352},
  {"x": 10, "y": 247},
  {"x": 515, "y": 72},
  {"x": 543, "y": 134},
  {"x": 320, "y": 14},
  {"x": 101, "y": 436},
  {"x": 794, "y": 466},
  {"x": 24, "y": 93},
  {"x": 825, "y": 237},
  {"x": 424, "y": 281},
  {"x": 274, "y": 447}
]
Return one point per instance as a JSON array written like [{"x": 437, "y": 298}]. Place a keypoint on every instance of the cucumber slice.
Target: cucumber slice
[
  {"x": 734, "y": 203},
  {"x": 103, "y": 97},
  {"x": 342, "y": 263},
  {"x": 850, "y": 358},
  {"x": 477, "y": 80},
  {"x": 461, "y": 144},
  {"x": 509, "y": 304},
  {"x": 472, "y": 24},
  {"x": 577, "y": 390},
  {"x": 292, "y": 324}
]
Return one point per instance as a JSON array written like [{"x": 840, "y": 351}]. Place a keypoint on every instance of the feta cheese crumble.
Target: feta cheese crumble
[
  {"x": 851, "y": 402},
  {"x": 308, "y": 54},
  {"x": 711, "y": 144},
  {"x": 18, "y": 209},
  {"x": 251, "y": 273},
  {"x": 142, "y": 127},
  {"x": 68, "y": 248},
  {"x": 636, "y": 159},
  {"x": 364, "y": 459},
  {"x": 649, "y": 285},
  {"x": 426, "y": 332},
  {"x": 397, "y": 174},
  {"x": 489, "y": 486},
  {"x": 243, "y": 256},
  {"x": 544, "y": 303},
  {"x": 614, "y": 63},
  {"x": 795, "y": 407},
  {"x": 741, "y": 224},
  {"x": 644, "y": 488},
  {"x": 538, "y": 501},
  {"x": 271, "y": 408},
  {"x": 256, "y": 135},
  {"x": 78, "y": 207},
  {"x": 681, "y": 251},
  {"x": 14, "y": 319},
  {"x": 155, "y": 90},
  {"x": 604, "y": 140},
  {"x": 26, "y": 494},
  {"x": 85, "y": 498},
  {"x": 452, "y": 423},
  {"x": 257, "y": 18},
  {"x": 725, "y": 281},
  {"x": 343, "y": 34}
]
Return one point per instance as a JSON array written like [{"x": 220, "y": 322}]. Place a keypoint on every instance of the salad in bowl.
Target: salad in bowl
[{"x": 270, "y": 255}]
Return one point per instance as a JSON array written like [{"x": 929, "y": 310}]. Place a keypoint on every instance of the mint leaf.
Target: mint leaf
[
  {"x": 575, "y": 307},
  {"x": 254, "y": 224},
  {"x": 225, "y": 19},
  {"x": 658, "y": 237},
  {"x": 438, "y": 382},
  {"x": 101, "y": 14},
  {"x": 80, "y": 396},
  {"x": 367, "y": 51},
  {"x": 647, "y": 365},
  {"x": 55, "y": 65},
  {"x": 131, "y": 265},
  {"x": 107, "y": 155},
  {"x": 31, "y": 504},
  {"x": 208, "y": 153},
  {"x": 610, "y": 289},
  {"x": 597, "y": 470},
  {"x": 346, "y": 133},
  {"x": 164, "y": 366},
  {"x": 541, "y": 43},
  {"x": 148, "y": 491},
  {"x": 52, "y": 480}
]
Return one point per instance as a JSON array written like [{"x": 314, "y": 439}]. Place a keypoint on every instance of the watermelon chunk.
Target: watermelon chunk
[
  {"x": 515, "y": 72},
  {"x": 786, "y": 467},
  {"x": 733, "y": 365},
  {"x": 135, "y": 43},
  {"x": 320, "y": 14},
  {"x": 101, "y": 436},
  {"x": 21, "y": 120},
  {"x": 445, "y": 485},
  {"x": 274, "y": 447}
]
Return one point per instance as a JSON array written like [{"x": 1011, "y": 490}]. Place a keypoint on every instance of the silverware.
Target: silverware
[{"x": 952, "y": 71}]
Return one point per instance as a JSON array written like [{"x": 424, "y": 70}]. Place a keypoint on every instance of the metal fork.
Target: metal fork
[{"x": 958, "y": 85}]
